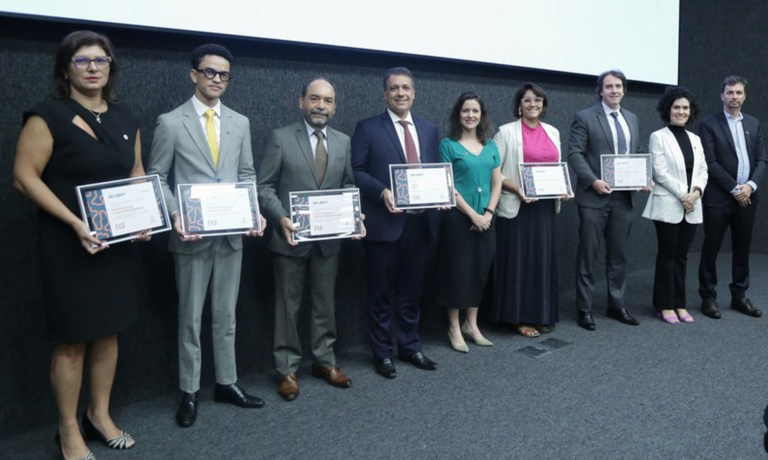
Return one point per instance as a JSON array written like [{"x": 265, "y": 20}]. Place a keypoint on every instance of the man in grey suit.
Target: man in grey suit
[
  {"x": 602, "y": 130},
  {"x": 307, "y": 155},
  {"x": 203, "y": 141}
]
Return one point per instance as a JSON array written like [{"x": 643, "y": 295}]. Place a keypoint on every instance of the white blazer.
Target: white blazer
[
  {"x": 665, "y": 203},
  {"x": 509, "y": 141}
]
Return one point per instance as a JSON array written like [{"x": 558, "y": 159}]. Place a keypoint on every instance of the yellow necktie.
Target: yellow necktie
[{"x": 210, "y": 131}]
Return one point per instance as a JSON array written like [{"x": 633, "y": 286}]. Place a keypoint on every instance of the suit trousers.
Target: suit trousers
[
  {"x": 219, "y": 266},
  {"x": 290, "y": 278},
  {"x": 674, "y": 241},
  {"x": 717, "y": 219},
  {"x": 612, "y": 222},
  {"x": 395, "y": 283}
]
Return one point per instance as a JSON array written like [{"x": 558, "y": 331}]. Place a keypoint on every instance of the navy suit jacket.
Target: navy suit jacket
[
  {"x": 722, "y": 161},
  {"x": 375, "y": 146}
]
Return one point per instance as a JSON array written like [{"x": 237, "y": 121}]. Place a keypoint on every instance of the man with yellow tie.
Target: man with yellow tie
[{"x": 204, "y": 141}]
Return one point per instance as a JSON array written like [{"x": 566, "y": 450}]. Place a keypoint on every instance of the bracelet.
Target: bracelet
[{"x": 492, "y": 211}]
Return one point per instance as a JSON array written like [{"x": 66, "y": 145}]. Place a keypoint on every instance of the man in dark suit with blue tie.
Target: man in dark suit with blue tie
[
  {"x": 397, "y": 241},
  {"x": 733, "y": 146},
  {"x": 605, "y": 129}
]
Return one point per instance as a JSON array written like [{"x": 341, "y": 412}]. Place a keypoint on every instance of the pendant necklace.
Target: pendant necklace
[{"x": 97, "y": 115}]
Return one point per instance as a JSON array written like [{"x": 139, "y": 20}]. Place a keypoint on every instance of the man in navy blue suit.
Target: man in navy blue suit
[
  {"x": 397, "y": 241},
  {"x": 733, "y": 146}
]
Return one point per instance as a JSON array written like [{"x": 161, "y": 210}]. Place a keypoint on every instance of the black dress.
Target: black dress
[{"x": 86, "y": 297}]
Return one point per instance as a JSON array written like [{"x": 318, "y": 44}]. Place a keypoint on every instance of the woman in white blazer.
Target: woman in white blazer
[
  {"x": 680, "y": 173},
  {"x": 526, "y": 260}
]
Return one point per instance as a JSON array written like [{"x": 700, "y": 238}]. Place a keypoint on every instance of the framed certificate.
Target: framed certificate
[
  {"x": 326, "y": 214},
  {"x": 218, "y": 209},
  {"x": 422, "y": 186},
  {"x": 545, "y": 180},
  {"x": 627, "y": 172},
  {"x": 118, "y": 210}
]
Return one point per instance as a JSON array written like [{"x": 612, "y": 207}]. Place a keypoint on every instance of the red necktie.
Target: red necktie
[{"x": 410, "y": 146}]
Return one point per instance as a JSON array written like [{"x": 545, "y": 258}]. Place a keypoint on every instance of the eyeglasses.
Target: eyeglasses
[
  {"x": 537, "y": 100},
  {"x": 211, "y": 74},
  {"x": 83, "y": 62}
]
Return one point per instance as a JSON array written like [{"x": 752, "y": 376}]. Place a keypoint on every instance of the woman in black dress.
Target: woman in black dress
[{"x": 89, "y": 289}]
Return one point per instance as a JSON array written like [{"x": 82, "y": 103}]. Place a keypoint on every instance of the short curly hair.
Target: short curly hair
[{"x": 672, "y": 94}]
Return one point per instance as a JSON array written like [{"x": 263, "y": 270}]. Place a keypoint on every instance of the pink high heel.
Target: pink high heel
[
  {"x": 686, "y": 318},
  {"x": 668, "y": 319}
]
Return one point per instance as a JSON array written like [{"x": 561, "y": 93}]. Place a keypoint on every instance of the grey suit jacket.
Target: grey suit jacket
[
  {"x": 591, "y": 137},
  {"x": 289, "y": 166},
  {"x": 180, "y": 143}
]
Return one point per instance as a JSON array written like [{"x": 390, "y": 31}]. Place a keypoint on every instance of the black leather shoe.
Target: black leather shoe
[
  {"x": 233, "y": 394},
  {"x": 187, "y": 413},
  {"x": 420, "y": 361},
  {"x": 622, "y": 315},
  {"x": 386, "y": 368},
  {"x": 709, "y": 308},
  {"x": 586, "y": 321},
  {"x": 745, "y": 306}
]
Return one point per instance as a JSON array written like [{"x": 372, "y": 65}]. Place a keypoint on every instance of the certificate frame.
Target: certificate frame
[
  {"x": 191, "y": 207},
  {"x": 401, "y": 193},
  {"x": 528, "y": 183},
  {"x": 301, "y": 208},
  {"x": 608, "y": 170},
  {"x": 94, "y": 200}
]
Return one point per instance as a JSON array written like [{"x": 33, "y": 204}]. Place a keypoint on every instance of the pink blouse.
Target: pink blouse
[{"x": 537, "y": 146}]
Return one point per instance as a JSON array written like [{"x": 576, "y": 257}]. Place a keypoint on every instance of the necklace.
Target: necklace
[{"x": 97, "y": 115}]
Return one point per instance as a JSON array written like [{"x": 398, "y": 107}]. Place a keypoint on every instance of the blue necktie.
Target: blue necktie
[{"x": 619, "y": 133}]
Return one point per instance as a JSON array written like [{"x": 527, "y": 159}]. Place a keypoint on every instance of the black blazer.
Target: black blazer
[{"x": 722, "y": 161}]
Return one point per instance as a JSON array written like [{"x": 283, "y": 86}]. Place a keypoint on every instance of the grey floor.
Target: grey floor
[{"x": 650, "y": 392}]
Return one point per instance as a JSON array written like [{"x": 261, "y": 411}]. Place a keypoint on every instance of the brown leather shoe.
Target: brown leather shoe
[
  {"x": 289, "y": 387},
  {"x": 332, "y": 375}
]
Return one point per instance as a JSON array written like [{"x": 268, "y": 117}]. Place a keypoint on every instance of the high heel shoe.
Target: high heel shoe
[
  {"x": 117, "y": 443},
  {"x": 482, "y": 341},
  {"x": 667, "y": 319},
  {"x": 460, "y": 347},
  {"x": 60, "y": 454},
  {"x": 686, "y": 318}
]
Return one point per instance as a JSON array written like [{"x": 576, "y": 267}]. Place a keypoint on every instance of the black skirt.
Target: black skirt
[
  {"x": 525, "y": 275},
  {"x": 465, "y": 259}
]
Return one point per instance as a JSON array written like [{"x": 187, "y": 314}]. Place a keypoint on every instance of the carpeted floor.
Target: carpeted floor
[{"x": 657, "y": 391}]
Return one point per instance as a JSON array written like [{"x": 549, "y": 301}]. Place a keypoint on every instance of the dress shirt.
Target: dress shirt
[
  {"x": 612, "y": 125},
  {"x": 740, "y": 142},
  {"x": 313, "y": 138},
  {"x": 401, "y": 133},
  {"x": 201, "y": 108}
]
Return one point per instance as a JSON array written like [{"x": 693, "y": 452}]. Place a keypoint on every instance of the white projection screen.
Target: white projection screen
[{"x": 574, "y": 36}]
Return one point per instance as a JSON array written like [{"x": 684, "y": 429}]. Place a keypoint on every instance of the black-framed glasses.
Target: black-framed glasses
[
  {"x": 537, "y": 100},
  {"x": 211, "y": 74},
  {"x": 83, "y": 62}
]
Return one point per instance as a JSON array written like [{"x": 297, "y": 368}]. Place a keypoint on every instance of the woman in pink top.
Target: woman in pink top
[{"x": 526, "y": 261}]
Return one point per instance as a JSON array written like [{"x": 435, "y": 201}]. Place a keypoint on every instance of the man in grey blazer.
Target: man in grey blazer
[
  {"x": 203, "y": 141},
  {"x": 602, "y": 130},
  {"x": 304, "y": 156}
]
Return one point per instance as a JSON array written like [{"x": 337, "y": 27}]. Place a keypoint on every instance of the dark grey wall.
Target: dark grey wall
[{"x": 268, "y": 78}]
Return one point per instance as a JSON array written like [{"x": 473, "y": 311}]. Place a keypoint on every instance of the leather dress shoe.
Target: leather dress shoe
[
  {"x": 289, "y": 387},
  {"x": 386, "y": 368},
  {"x": 745, "y": 306},
  {"x": 420, "y": 361},
  {"x": 187, "y": 413},
  {"x": 709, "y": 308},
  {"x": 622, "y": 315},
  {"x": 233, "y": 394},
  {"x": 586, "y": 321},
  {"x": 332, "y": 375}
]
